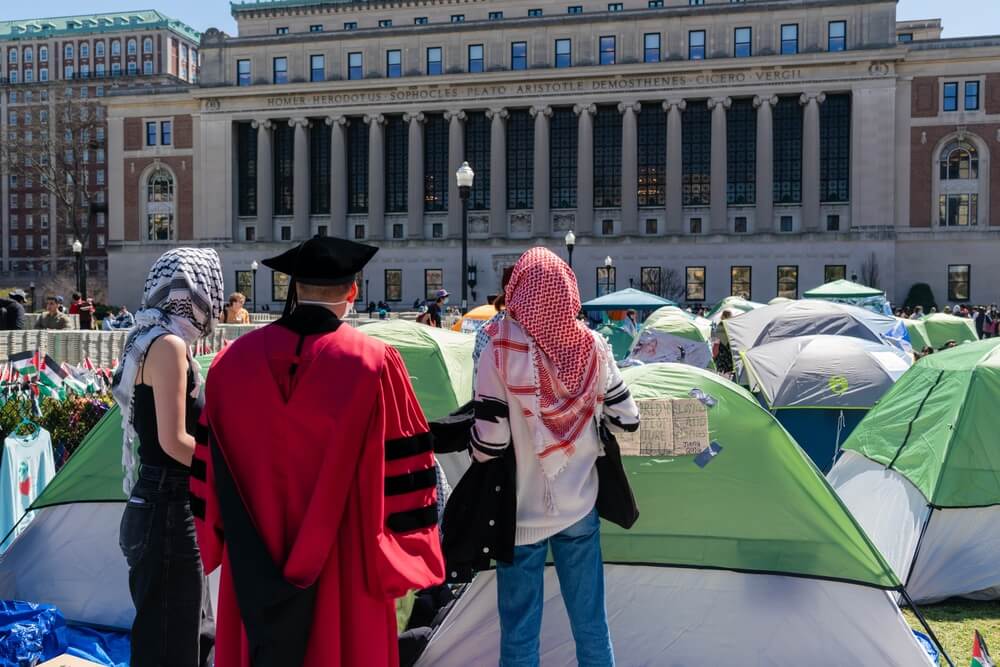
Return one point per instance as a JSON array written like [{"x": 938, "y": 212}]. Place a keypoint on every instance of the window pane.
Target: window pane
[
  {"x": 651, "y": 48},
  {"x": 788, "y": 282},
  {"x": 520, "y": 160},
  {"x": 477, "y": 152},
  {"x": 837, "y": 38},
  {"x": 835, "y": 148},
  {"x": 564, "y": 53},
  {"x": 652, "y": 155},
  {"x": 280, "y": 70},
  {"x": 436, "y": 170},
  {"x": 739, "y": 281},
  {"x": 393, "y": 285},
  {"x": 357, "y": 167},
  {"x": 951, "y": 96},
  {"x": 971, "y": 95},
  {"x": 788, "y": 151},
  {"x": 958, "y": 282},
  {"x": 433, "y": 281},
  {"x": 696, "y": 152},
  {"x": 317, "y": 68},
  {"x": 741, "y": 148},
  {"x": 355, "y": 66},
  {"x": 519, "y": 56},
  {"x": 742, "y": 38},
  {"x": 833, "y": 272},
  {"x": 394, "y": 64},
  {"x": 396, "y": 164},
  {"x": 434, "y": 60},
  {"x": 607, "y": 51},
  {"x": 695, "y": 283},
  {"x": 789, "y": 39},
  {"x": 476, "y": 58},
  {"x": 696, "y": 45},
  {"x": 607, "y": 158},
  {"x": 562, "y": 156}
]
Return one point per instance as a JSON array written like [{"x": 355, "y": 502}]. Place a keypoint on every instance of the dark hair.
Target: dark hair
[
  {"x": 501, "y": 300},
  {"x": 77, "y": 296}
]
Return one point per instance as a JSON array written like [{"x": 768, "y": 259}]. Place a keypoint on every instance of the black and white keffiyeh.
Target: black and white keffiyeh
[{"x": 183, "y": 296}]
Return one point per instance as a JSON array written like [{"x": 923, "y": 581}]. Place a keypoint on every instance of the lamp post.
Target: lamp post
[
  {"x": 81, "y": 281},
  {"x": 608, "y": 264},
  {"x": 31, "y": 291},
  {"x": 570, "y": 242},
  {"x": 465, "y": 176},
  {"x": 253, "y": 282},
  {"x": 471, "y": 275}
]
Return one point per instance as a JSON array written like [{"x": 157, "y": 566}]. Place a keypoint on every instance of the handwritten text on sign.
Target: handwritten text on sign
[{"x": 668, "y": 427}]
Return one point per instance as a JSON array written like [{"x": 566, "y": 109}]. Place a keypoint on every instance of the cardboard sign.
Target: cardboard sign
[{"x": 668, "y": 427}]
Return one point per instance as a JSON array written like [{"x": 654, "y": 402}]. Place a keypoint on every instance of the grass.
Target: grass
[{"x": 954, "y": 621}]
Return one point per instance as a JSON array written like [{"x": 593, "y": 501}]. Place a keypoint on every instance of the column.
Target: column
[
  {"x": 765, "y": 163},
  {"x": 415, "y": 175},
  {"x": 456, "y": 155},
  {"x": 265, "y": 180},
  {"x": 376, "y": 175},
  {"x": 675, "y": 166},
  {"x": 498, "y": 172},
  {"x": 338, "y": 175},
  {"x": 542, "y": 219},
  {"x": 720, "y": 159},
  {"x": 810, "y": 160},
  {"x": 630, "y": 168},
  {"x": 584, "y": 168},
  {"x": 300, "y": 180}
]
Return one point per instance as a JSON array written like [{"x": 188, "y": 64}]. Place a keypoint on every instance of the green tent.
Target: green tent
[
  {"x": 674, "y": 337},
  {"x": 918, "y": 334},
  {"x": 842, "y": 289},
  {"x": 619, "y": 339},
  {"x": 751, "y": 555},
  {"x": 939, "y": 328},
  {"x": 922, "y": 474},
  {"x": 734, "y": 303}
]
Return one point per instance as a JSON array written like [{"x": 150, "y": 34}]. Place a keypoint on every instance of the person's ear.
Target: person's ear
[{"x": 352, "y": 293}]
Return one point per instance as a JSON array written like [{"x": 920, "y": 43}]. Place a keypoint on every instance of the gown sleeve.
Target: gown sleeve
[
  {"x": 204, "y": 502},
  {"x": 398, "y": 484}
]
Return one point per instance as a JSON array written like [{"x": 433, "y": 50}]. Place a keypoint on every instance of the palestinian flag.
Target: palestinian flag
[
  {"x": 980, "y": 654},
  {"x": 50, "y": 373},
  {"x": 25, "y": 363}
]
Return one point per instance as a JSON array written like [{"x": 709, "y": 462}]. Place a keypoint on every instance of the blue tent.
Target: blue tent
[{"x": 626, "y": 299}]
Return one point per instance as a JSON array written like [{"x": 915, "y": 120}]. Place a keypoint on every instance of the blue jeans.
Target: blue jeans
[{"x": 577, "y": 555}]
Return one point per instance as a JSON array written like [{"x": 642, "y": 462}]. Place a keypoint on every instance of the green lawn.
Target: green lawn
[{"x": 954, "y": 621}]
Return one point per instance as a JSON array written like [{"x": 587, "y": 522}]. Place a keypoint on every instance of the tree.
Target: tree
[
  {"x": 671, "y": 286},
  {"x": 920, "y": 295},
  {"x": 55, "y": 154},
  {"x": 869, "y": 271}
]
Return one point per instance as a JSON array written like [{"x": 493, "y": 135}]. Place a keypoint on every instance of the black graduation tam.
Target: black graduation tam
[{"x": 323, "y": 261}]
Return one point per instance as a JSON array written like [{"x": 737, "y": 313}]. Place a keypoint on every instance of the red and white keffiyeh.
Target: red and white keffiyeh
[{"x": 547, "y": 358}]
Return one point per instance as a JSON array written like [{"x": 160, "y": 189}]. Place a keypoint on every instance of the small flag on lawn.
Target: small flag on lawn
[
  {"x": 25, "y": 363},
  {"x": 50, "y": 374},
  {"x": 980, "y": 654}
]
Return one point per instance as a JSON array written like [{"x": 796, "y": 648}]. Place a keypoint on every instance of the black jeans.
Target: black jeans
[{"x": 173, "y": 621}]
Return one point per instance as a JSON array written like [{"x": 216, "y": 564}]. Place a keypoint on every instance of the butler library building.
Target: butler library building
[{"x": 698, "y": 150}]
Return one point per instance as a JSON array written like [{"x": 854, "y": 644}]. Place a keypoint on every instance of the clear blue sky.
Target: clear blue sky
[{"x": 961, "y": 17}]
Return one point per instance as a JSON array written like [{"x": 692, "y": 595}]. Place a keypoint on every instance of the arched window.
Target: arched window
[
  {"x": 959, "y": 161},
  {"x": 68, "y": 52},
  {"x": 28, "y": 54},
  {"x": 84, "y": 50},
  {"x": 160, "y": 205},
  {"x": 131, "y": 47},
  {"x": 147, "y": 45},
  {"x": 116, "y": 47},
  {"x": 99, "y": 49},
  {"x": 43, "y": 54}
]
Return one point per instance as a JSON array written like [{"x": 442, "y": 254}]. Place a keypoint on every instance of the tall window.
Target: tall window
[
  {"x": 160, "y": 206},
  {"x": 607, "y": 47},
  {"x": 836, "y": 39},
  {"x": 520, "y": 160},
  {"x": 789, "y": 39},
  {"x": 394, "y": 63},
  {"x": 833, "y": 272},
  {"x": 694, "y": 283},
  {"x": 357, "y": 167},
  {"x": 284, "y": 164},
  {"x": 739, "y": 281},
  {"x": 958, "y": 210},
  {"x": 166, "y": 133},
  {"x": 951, "y": 96},
  {"x": 319, "y": 168},
  {"x": 43, "y": 52},
  {"x": 562, "y": 156},
  {"x": 355, "y": 65},
  {"x": 606, "y": 280},
  {"x": 741, "y": 148},
  {"x": 476, "y": 58},
  {"x": 436, "y": 170},
  {"x": 519, "y": 55},
  {"x": 434, "y": 65},
  {"x": 696, "y": 152},
  {"x": 280, "y": 70},
  {"x": 651, "y": 47},
  {"x": 396, "y": 164},
  {"x": 317, "y": 67},
  {"x": 972, "y": 96},
  {"x": 835, "y": 148},
  {"x": 607, "y": 158},
  {"x": 393, "y": 285},
  {"x": 477, "y": 152},
  {"x": 247, "y": 175},
  {"x": 696, "y": 45},
  {"x": 959, "y": 281},
  {"x": 279, "y": 286},
  {"x": 147, "y": 45},
  {"x": 116, "y": 47},
  {"x": 564, "y": 53},
  {"x": 788, "y": 151},
  {"x": 67, "y": 53},
  {"x": 959, "y": 161},
  {"x": 651, "y": 279},
  {"x": 433, "y": 281},
  {"x": 652, "y": 151},
  {"x": 743, "y": 42},
  {"x": 131, "y": 47},
  {"x": 788, "y": 282},
  {"x": 151, "y": 134}
]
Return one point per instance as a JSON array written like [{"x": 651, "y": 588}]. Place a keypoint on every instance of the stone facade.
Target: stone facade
[{"x": 339, "y": 97}]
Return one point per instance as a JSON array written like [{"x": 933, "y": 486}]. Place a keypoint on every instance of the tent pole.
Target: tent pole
[{"x": 925, "y": 624}]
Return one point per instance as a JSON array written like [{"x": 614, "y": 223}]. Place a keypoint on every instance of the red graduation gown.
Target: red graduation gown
[{"x": 332, "y": 463}]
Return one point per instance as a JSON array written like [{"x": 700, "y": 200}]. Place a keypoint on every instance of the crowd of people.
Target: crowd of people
[
  {"x": 985, "y": 318},
  {"x": 58, "y": 316}
]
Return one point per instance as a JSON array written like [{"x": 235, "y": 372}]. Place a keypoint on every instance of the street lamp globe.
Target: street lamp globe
[
  {"x": 607, "y": 261},
  {"x": 570, "y": 239},
  {"x": 464, "y": 176},
  {"x": 77, "y": 247},
  {"x": 254, "y": 265}
]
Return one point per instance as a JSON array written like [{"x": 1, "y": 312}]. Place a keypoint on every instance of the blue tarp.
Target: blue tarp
[
  {"x": 31, "y": 633},
  {"x": 105, "y": 647}
]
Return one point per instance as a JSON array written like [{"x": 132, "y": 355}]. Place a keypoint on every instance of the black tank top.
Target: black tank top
[{"x": 144, "y": 420}]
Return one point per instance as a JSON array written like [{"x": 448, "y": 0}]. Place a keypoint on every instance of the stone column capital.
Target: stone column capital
[
  {"x": 725, "y": 102},
  {"x": 680, "y": 105},
  {"x": 545, "y": 111},
  {"x": 501, "y": 113},
  {"x": 760, "y": 100},
  {"x": 343, "y": 121},
  {"x": 414, "y": 117},
  {"x": 265, "y": 123},
  {"x": 298, "y": 122},
  {"x": 376, "y": 118},
  {"x": 580, "y": 109},
  {"x": 454, "y": 115},
  {"x": 629, "y": 106},
  {"x": 806, "y": 98}
]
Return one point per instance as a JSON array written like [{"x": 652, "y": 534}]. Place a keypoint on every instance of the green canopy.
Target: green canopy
[
  {"x": 939, "y": 328},
  {"x": 842, "y": 289},
  {"x": 620, "y": 340},
  {"x": 759, "y": 506},
  {"x": 625, "y": 299},
  {"x": 936, "y": 426}
]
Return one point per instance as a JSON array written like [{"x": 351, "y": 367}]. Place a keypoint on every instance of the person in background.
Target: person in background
[
  {"x": 157, "y": 386},
  {"x": 486, "y": 331},
  {"x": 423, "y": 316},
  {"x": 53, "y": 318},
  {"x": 235, "y": 312},
  {"x": 544, "y": 381},
  {"x": 13, "y": 317},
  {"x": 982, "y": 319},
  {"x": 84, "y": 308},
  {"x": 437, "y": 307},
  {"x": 631, "y": 324},
  {"x": 123, "y": 320}
]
